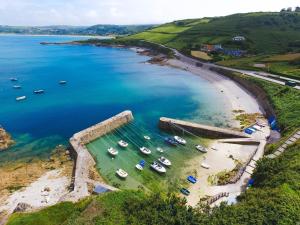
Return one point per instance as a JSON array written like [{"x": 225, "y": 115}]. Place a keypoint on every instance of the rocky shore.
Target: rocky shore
[{"x": 5, "y": 139}]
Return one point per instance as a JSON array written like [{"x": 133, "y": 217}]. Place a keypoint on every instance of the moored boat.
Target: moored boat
[
  {"x": 158, "y": 168},
  {"x": 180, "y": 140},
  {"x": 205, "y": 165},
  {"x": 160, "y": 150},
  {"x": 145, "y": 150},
  {"x": 112, "y": 151},
  {"x": 201, "y": 148},
  {"x": 62, "y": 82},
  {"x": 139, "y": 167},
  {"x": 147, "y": 137},
  {"x": 185, "y": 191},
  {"x": 121, "y": 173},
  {"x": 16, "y": 86},
  {"x": 41, "y": 91},
  {"x": 13, "y": 79},
  {"x": 21, "y": 98},
  {"x": 122, "y": 143},
  {"x": 164, "y": 161},
  {"x": 171, "y": 141}
]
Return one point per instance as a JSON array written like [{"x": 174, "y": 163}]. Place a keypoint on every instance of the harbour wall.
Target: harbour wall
[
  {"x": 198, "y": 129},
  {"x": 84, "y": 161}
]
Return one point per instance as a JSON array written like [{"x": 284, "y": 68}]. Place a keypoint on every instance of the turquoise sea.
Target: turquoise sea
[{"x": 101, "y": 83}]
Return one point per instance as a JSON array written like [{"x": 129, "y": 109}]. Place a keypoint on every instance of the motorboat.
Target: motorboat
[
  {"x": 158, "y": 168},
  {"x": 145, "y": 150},
  {"x": 112, "y": 151},
  {"x": 13, "y": 79},
  {"x": 185, "y": 191},
  {"x": 62, "y": 82},
  {"x": 122, "y": 173},
  {"x": 147, "y": 137},
  {"x": 192, "y": 179},
  {"x": 160, "y": 150},
  {"x": 205, "y": 165},
  {"x": 171, "y": 141},
  {"x": 41, "y": 91},
  {"x": 21, "y": 98},
  {"x": 122, "y": 143},
  {"x": 180, "y": 140},
  {"x": 164, "y": 161},
  {"x": 139, "y": 167},
  {"x": 201, "y": 148},
  {"x": 16, "y": 86}
]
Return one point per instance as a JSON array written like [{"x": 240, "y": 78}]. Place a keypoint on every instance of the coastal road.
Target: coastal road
[{"x": 261, "y": 75}]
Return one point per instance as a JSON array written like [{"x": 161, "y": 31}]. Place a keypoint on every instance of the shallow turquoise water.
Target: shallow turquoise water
[{"x": 101, "y": 83}]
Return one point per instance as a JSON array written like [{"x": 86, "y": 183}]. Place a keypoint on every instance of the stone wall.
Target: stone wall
[{"x": 198, "y": 129}]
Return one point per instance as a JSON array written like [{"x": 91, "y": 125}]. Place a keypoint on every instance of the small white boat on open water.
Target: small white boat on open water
[
  {"x": 164, "y": 161},
  {"x": 122, "y": 173},
  {"x": 16, "y": 86},
  {"x": 21, "y": 98},
  {"x": 180, "y": 140},
  {"x": 160, "y": 150},
  {"x": 147, "y": 137},
  {"x": 122, "y": 143},
  {"x": 41, "y": 91},
  {"x": 62, "y": 82},
  {"x": 201, "y": 148},
  {"x": 113, "y": 151},
  {"x": 205, "y": 165},
  {"x": 158, "y": 168},
  {"x": 145, "y": 150}
]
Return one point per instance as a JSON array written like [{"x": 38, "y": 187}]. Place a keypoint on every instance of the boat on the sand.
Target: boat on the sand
[
  {"x": 192, "y": 179},
  {"x": 205, "y": 165},
  {"x": 201, "y": 148},
  {"x": 185, "y": 191}
]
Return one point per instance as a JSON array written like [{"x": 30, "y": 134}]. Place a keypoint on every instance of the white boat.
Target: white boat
[
  {"x": 21, "y": 98},
  {"x": 122, "y": 143},
  {"x": 13, "y": 79},
  {"x": 62, "y": 82},
  {"x": 121, "y": 173},
  {"x": 201, "y": 148},
  {"x": 164, "y": 161},
  {"x": 157, "y": 167},
  {"x": 147, "y": 137},
  {"x": 139, "y": 167},
  {"x": 205, "y": 165},
  {"x": 17, "y": 86},
  {"x": 160, "y": 150},
  {"x": 112, "y": 151},
  {"x": 180, "y": 140},
  {"x": 41, "y": 91},
  {"x": 145, "y": 150}
]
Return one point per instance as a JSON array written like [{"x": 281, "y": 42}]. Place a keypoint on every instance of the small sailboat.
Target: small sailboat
[
  {"x": 147, "y": 138},
  {"x": 185, "y": 191},
  {"x": 122, "y": 173},
  {"x": 171, "y": 141},
  {"x": 62, "y": 82},
  {"x": 16, "y": 86},
  {"x": 21, "y": 98},
  {"x": 140, "y": 165},
  {"x": 160, "y": 150},
  {"x": 180, "y": 140},
  {"x": 201, "y": 148},
  {"x": 158, "y": 168},
  {"x": 145, "y": 150},
  {"x": 41, "y": 91},
  {"x": 122, "y": 143},
  {"x": 13, "y": 79},
  {"x": 164, "y": 161},
  {"x": 112, "y": 151},
  {"x": 205, "y": 165},
  {"x": 192, "y": 179}
]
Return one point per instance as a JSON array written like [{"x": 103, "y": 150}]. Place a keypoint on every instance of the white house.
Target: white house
[{"x": 239, "y": 38}]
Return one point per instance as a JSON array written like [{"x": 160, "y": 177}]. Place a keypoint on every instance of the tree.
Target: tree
[{"x": 289, "y": 9}]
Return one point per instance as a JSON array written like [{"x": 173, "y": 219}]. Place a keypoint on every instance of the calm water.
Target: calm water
[{"x": 101, "y": 82}]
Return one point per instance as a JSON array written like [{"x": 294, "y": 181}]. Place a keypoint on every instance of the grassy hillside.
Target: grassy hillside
[{"x": 274, "y": 199}]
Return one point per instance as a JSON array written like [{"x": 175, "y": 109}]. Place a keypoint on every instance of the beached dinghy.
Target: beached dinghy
[
  {"x": 205, "y": 165},
  {"x": 121, "y": 173},
  {"x": 16, "y": 86},
  {"x": 185, "y": 191},
  {"x": 158, "y": 168},
  {"x": 21, "y": 98},
  {"x": 192, "y": 179},
  {"x": 147, "y": 137},
  {"x": 180, "y": 140},
  {"x": 112, "y": 151},
  {"x": 171, "y": 141},
  {"x": 41, "y": 91},
  {"x": 201, "y": 148},
  {"x": 164, "y": 161},
  {"x": 122, "y": 143},
  {"x": 160, "y": 150},
  {"x": 145, "y": 150}
]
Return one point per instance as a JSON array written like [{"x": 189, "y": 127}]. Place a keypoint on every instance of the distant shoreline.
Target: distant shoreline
[{"x": 57, "y": 35}]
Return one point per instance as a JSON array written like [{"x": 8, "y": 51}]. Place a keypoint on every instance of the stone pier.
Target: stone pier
[
  {"x": 84, "y": 160},
  {"x": 198, "y": 129}
]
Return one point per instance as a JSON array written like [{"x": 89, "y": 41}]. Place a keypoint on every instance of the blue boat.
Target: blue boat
[
  {"x": 185, "y": 191},
  {"x": 171, "y": 141},
  {"x": 248, "y": 131},
  {"x": 142, "y": 163},
  {"x": 192, "y": 179}
]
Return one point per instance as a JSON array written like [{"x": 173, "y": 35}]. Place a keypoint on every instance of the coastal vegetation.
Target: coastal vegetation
[
  {"x": 273, "y": 199},
  {"x": 5, "y": 139}
]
